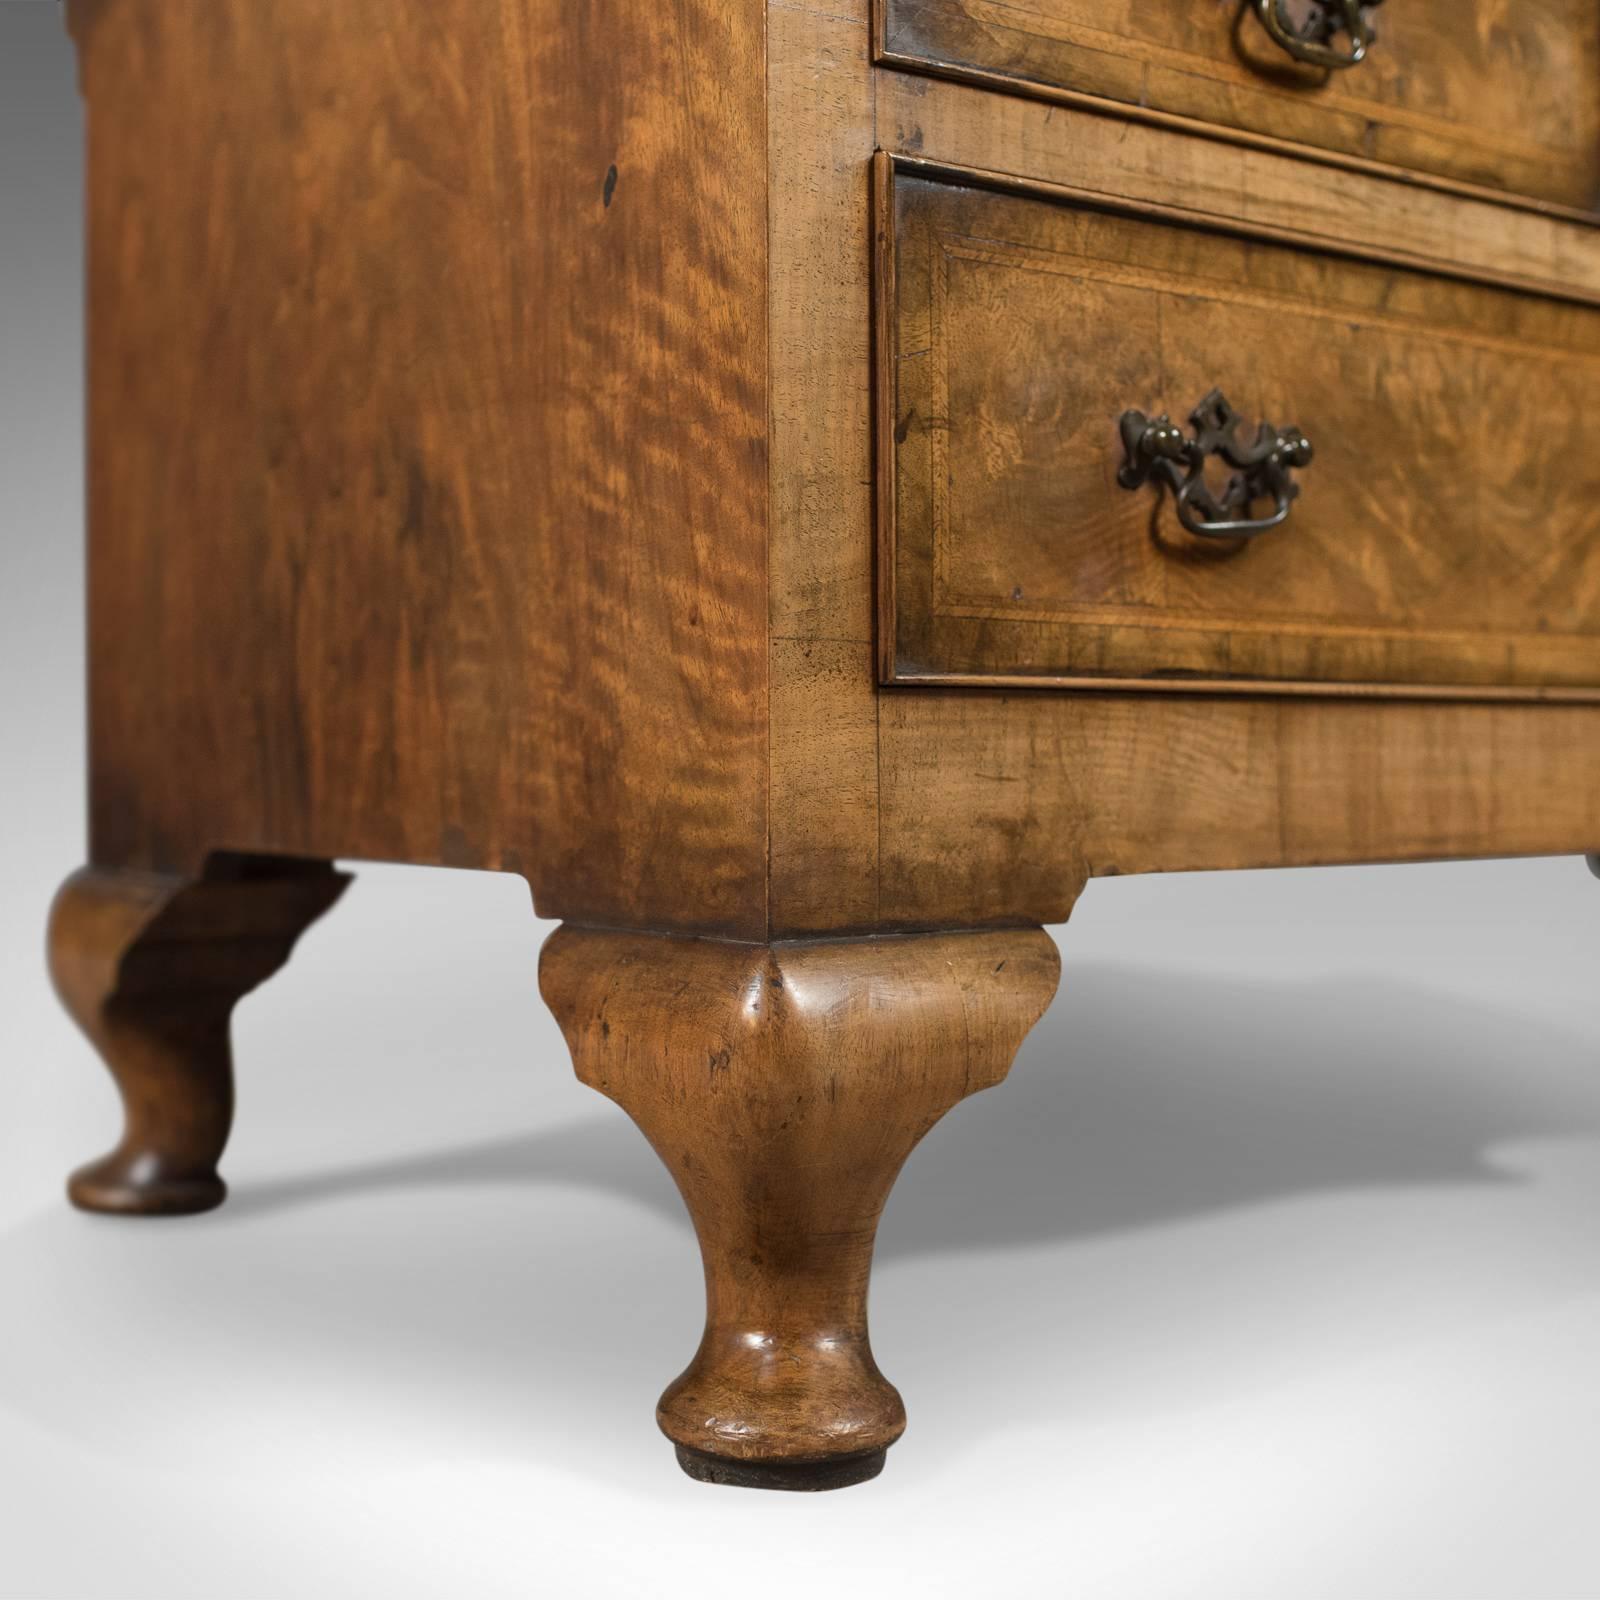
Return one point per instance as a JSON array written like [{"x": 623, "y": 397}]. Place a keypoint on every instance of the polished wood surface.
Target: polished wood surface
[
  {"x": 784, "y": 1086},
  {"x": 1021, "y": 797},
  {"x": 1445, "y": 533},
  {"x": 1272, "y": 194},
  {"x": 428, "y": 435},
  {"x": 627, "y": 648},
  {"x": 1483, "y": 93},
  {"x": 151, "y": 967}
]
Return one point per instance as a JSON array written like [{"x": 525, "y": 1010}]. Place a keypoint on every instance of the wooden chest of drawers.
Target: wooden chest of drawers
[{"x": 809, "y": 490}]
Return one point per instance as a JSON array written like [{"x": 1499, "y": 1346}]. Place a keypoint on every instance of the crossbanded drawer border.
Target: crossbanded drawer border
[
  {"x": 887, "y": 168},
  {"x": 1022, "y": 87}
]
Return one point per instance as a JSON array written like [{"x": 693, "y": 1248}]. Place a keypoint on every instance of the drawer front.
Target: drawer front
[
  {"x": 1445, "y": 538},
  {"x": 1506, "y": 96}
]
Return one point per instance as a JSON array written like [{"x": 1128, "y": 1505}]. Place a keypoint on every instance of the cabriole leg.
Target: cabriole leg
[
  {"x": 151, "y": 967},
  {"x": 784, "y": 1086}
]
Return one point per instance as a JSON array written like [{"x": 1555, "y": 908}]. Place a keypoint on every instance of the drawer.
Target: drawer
[
  {"x": 1478, "y": 91},
  {"x": 1444, "y": 538}
]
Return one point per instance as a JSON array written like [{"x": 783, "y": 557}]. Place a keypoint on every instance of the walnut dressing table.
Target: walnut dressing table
[{"x": 808, "y": 486}]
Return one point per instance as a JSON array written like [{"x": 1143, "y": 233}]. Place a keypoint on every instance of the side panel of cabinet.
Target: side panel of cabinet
[{"x": 428, "y": 416}]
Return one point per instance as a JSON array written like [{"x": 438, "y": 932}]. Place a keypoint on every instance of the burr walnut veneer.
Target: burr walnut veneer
[{"x": 809, "y": 489}]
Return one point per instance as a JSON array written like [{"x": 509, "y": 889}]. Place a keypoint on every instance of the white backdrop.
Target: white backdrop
[{"x": 1273, "y": 1271}]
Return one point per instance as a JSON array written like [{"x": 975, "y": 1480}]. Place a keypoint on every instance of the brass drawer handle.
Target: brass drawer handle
[
  {"x": 1156, "y": 448},
  {"x": 1311, "y": 40}
]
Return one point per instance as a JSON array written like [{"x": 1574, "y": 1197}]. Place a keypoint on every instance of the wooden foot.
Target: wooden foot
[
  {"x": 784, "y": 1086},
  {"x": 151, "y": 967}
]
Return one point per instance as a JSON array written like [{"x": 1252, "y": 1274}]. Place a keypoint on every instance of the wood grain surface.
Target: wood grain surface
[
  {"x": 1485, "y": 93},
  {"x": 1273, "y": 193},
  {"x": 481, "y": 473},
  {"x": 951, "y": 806},
  {"x": 1448, "y": 531},
  {"x": 428, "y": 471}
]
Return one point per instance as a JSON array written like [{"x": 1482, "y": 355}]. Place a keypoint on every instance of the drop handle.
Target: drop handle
[
  {"x": 1156, "y": 448},
  {"x": 1311, "y": 39}
]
